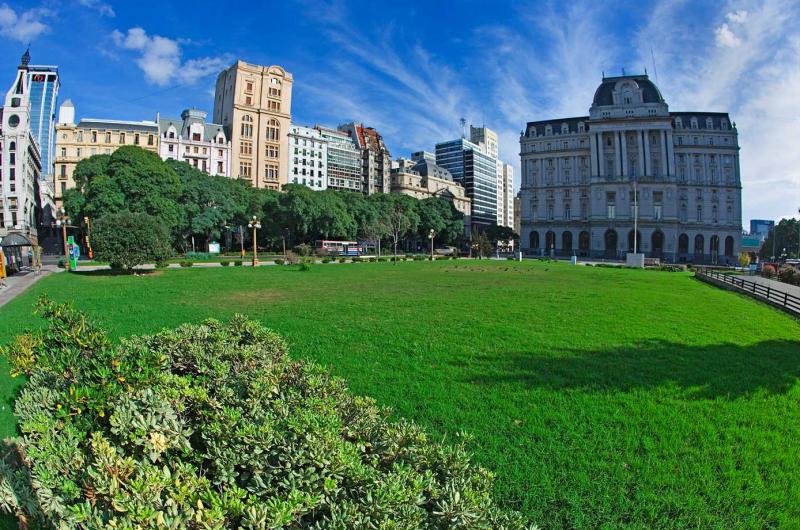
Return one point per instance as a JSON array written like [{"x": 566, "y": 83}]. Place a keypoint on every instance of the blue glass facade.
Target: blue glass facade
[
  {"x": 477, "y": 172},
  {"x": 44, "y": 83}
]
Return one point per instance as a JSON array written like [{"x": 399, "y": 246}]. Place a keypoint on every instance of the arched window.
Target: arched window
[
  {"x": 247, "y": 126},
  {"x": 657, "y": 243},
  {"x": 534, "y": 240},
  {"x": 699, "y": 245},
  {"x": 12, "y": 146},
  {"x": 683, "y": 244},
  {"x": 611, "y": 243},
  {"x": 273, "y": 130},
  {"x": 678, "y": 123},
  {"x": 566, "y": 242},
  {"x": 638, "y": 241},
  {"x": 729, "y": 246},
  {"x": 550, "y": 241}
]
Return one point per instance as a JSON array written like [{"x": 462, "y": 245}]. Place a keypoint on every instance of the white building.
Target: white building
[
  {"x": 505, "y": 194},
  {"x": 21, "y": 162},
  {"x": 344, "y": 160},
  {"x": 200, "y": 144},
  {"x": 308, "y": 157}
]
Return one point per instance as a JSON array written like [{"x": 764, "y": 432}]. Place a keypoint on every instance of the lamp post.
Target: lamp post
[
  {"x": 61, "y": 222},
  {"x": 241, "y": 239},
  {"x": 255, "y": 224},
  {"x": 431, "y": 235}
]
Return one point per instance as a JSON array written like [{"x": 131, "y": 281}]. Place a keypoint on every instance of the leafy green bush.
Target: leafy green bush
[
  {"x": 305, "y": 266},
  {"x": 186, "y": 263},
  {"x": 342, "y": 260},
  {"x": 62, "y": 263},
  {"x": 279, "y": 261},
  {"x": 789, "y": 275},
  {"x": 237, "y": 263},
  {"x": 214, "y": 426},
  {"x": 326, "y": 259},
  {"x": 199, "y": 255},
  {"x": 303, "y": 249},
  {"x": 162, "y": 264},
  {"x": 127, "y": 239},
  {"x": 224, "y": 263},
  {"x": 419, "y": 257}
]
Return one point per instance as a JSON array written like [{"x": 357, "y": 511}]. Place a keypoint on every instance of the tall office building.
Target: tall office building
[
  {"x": 505, "y": 194},
  {"x": 486, "y": 139},
  {"x": 254, "y": 104},
  {"x": 579, "y": 176},
  {"x": 20, "y": 162},
  {"x": 376, "y": 160},
  {"x": 344, "y": 160},
  {"x": 476, "y": 170},
  {"x": 308, "y": 157},
  {"x": 43, "y": 82}
]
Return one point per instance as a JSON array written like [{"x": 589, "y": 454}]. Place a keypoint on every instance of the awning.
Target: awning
[{"x": 16, "y": 240}]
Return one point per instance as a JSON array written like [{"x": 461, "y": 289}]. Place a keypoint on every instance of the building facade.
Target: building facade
[
  {"x": 20, "y": 161},
  {"x": 376, "y": 160},
  {"x": 44, "y": 84},
  {"x": 202, "y": 145},
  {"x": 91, "y": 136},
  {"x": 505, "y": 194},
  {"x": 472, "y": 167},
  {"x": 579, "y": 174},
  {"x": 761, "y": 227},
  {"x": 343, "y": 160},
  {"x": 422, "y": 179},
  {"x": 308, "y": 157},
  {"x": 254, "y": 105}
]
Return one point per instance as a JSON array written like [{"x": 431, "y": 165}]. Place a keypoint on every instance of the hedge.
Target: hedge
[{"x": 214, "y": 426}]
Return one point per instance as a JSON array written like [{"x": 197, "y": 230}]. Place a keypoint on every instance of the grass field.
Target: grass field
[{"x": 600, "y": 397}]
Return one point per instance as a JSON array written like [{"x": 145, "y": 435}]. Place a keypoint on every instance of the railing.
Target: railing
[{"x": 779, "y": 297}]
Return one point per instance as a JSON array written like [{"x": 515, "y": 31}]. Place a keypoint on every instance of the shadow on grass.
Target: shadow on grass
[
  {"x": 113, "y": 272},
  {"x": 706, "y": 372}
]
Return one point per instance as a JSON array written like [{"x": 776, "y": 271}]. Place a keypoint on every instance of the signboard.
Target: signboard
[
  {"x": 74, "y": 253},
  {"x": 213, "y": 248}
]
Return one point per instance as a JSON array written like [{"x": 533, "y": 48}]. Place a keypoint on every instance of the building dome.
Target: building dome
[{"x": 604, "y": 95}]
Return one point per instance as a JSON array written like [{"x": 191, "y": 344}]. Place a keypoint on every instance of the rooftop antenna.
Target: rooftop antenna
[
  {"x": 623, "y": 70},
  {"x": 463, "y": 128},
  {"x": 653, "y": 58}
]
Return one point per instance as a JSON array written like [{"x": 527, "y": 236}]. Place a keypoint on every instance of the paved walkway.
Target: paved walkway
[
  {"x": 775, "y": 285},
  {"x": 19, "y": 282}
]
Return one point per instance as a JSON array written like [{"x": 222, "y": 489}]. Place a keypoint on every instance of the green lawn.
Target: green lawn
[{"x": 600, "y": 397}]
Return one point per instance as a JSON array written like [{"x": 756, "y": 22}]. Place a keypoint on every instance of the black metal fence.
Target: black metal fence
[{"x": 778, "y": 297}]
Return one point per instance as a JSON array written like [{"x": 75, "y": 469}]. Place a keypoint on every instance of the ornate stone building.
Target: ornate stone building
[
  {"x": 579, "y": 174},
  {"x": 376, "y": 160},
  {"x": 422, "y": 179},
  {"x": 254, "y": 105},
  {"x": 200, "y": 144}
]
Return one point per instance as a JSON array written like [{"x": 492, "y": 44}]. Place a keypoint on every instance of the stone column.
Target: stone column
[
  {"x": 593, "y": 157},
  {"x": 663, "y": 167},
  {"x": 673, "y": 170},
  {"x": 648, "y": 164},
  {"x": 640, "y": 152},
  {"x": 624, "y": 149},
  {"x": 600, "y": 154},
  {"x": 616, "y": 153}
]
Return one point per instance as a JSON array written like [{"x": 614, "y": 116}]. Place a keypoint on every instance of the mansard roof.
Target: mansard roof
[
  {"x": 716, "y": 119},
  {"x": 603, "y": 96},
  {"x": 572, "y": 125},
  {"x": 426, "y": 168}
]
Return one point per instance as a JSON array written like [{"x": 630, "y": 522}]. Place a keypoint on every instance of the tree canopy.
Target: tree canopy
[{"x": 190, "y": 203}]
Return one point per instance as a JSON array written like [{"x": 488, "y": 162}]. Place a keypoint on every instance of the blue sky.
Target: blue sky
[{"x": 413, "y": 69}]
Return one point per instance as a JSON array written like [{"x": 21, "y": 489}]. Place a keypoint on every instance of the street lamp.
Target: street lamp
[
  {"x": 431, "y": 235},
  {"x": 61, "y": 222},
  {"x": 255, "y": 224}
]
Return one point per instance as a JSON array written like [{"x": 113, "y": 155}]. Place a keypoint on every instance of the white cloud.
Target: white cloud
[
  {"x": 726, "y": 37},
  {"x": 737, "y": 17},
  {"x": 101, "y": 7},
  {"x": 23, "y": 27},
  {"x": 160, "y": 58}
]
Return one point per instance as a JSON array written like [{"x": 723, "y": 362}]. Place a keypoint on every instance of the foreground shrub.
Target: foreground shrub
[
  {"x": 279, "y": 261},
  {"x": 224, "y": 262},
  {"x": 186, "y": 263},
  {"x": 342, "y": 260},
  {"x": 789, "y": 275},
  {"x": 213, "y": 426},
  {"x": 127, "y": 239}
]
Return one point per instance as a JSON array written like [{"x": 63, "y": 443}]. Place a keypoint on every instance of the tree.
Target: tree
[
  {"x": 744, "y": 259},
  {"x": 127, "y": 239},
  {"x": 784, "y": 235},
  {"x": 497, "y": 234},
  {"x": 399, "y": 223},
  {"x": 373, "y": 231},
  {"x": 481, "y": 244}
]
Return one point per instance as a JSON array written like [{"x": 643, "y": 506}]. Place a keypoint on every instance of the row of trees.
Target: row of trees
[
  {"x": 189, "y": 204},
  {"x": 785, "y": 235}
]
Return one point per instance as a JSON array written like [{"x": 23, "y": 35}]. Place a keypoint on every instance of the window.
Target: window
[
  {"x": 63, "y": 152},
  {"x": 714, "y": 214},
  {"x": 122, "y": 138},
  {"x": 273, "y": 130},
  {"x": 150, "y": 139},
  {"x": 246, "y": 148},
  {"x": 275, "y": 92},
  {"x": 196, "y": 137},
  {"x": 248, "y": 87},
  {"x": 272, "y": 151},
  {"x": 248, "y": 100},
  {"x": 274, "y": 105},
  {"x": 78, "y": 151},
  {"x": 247, "y": 126},
  {"x": 244, "y": 169},
  {"x": 108, "y": 137},
  {"x": 611, "y": 205},
  {"x": 567, "y": 211},
  {"x": 658, "y": 198},
  {"x": 63, "y": 172},
  {"x": 172, "y": 134},
  {"x": 80, "y": 136},
  {"x": 699, "y": 213},
  {"x": 170, "y": 148},
  {"x": 219, "y": 168},
  {"x": 271, "y": 172},
  {"x": 136, "y": 139},
  {"x": 94, "y": 137}
]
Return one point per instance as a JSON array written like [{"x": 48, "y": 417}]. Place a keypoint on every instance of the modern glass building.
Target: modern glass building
[
  {"x": 44, "y": 83},
  {"x": 477, "y": 172},
  {"x": 343, "y": 159}
]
